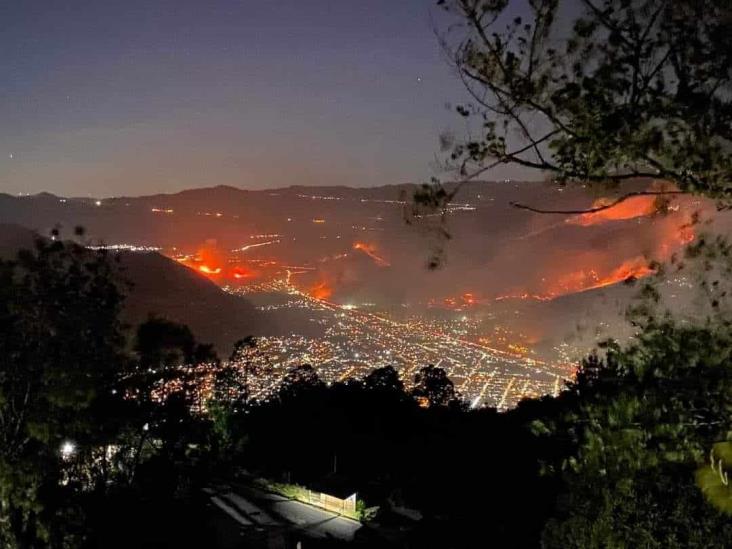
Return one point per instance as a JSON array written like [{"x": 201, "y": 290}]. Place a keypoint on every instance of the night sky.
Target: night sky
[{"x": 128, "y": 97}]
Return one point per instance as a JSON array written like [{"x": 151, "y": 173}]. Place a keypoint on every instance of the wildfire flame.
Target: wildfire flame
[
  {"x": 211, "y": 262},
  {"x": 525, "y": 296},
  {"x": 458, "y": 303},
  {"x": 209, "y": 270},
  {"x": 321, "y": 290},
  {"x": 370, "y": 250},
  {"x": 636, "y": 206},
  {"x": 582, "y": 280},
  {"x": 671, "y": 232}
]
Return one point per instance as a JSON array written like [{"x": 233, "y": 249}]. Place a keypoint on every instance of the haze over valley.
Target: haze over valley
[{"x": 335, "y": 277}]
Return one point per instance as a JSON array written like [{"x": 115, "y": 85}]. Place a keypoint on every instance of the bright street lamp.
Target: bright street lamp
[{"x": 68, "y": 449}]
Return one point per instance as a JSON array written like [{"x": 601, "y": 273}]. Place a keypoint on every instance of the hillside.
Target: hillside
[{"x": 156, "y": 285}]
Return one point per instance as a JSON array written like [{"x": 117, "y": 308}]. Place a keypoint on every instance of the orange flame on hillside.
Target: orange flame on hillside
[
  {"x": 209, "y": 270},
  {"x": 206, "y": 260},
  {"x": 211, "y": 262},
  {"x": 636, "y": 206},
  {"x": 371, "y": 251},
  {"x": 672, "y": 232},
  {"x": 587, "y": 279},
  {"x": 582, "y": 280},
  {"x": 457, "y": 303},
  {"x": 525, "y": 296},
  {"x": 321, "y": 290}
]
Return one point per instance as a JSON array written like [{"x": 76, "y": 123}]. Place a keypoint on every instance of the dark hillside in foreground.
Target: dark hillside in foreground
[
  {"x": 156, "y": 285},
  {"x": 167, "y": 288}
]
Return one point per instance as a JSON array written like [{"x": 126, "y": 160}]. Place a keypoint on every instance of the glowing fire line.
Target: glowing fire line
[{"x": 370, "y": 250}]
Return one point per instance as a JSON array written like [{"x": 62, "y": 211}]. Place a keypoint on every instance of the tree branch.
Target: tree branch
[{"x": 596, "y": 209}]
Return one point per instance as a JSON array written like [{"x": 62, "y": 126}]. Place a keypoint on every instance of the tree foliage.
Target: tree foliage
[
  {"x": 433, "y": 387},
  {"x": 82, "y": 411},
  {"x": 298, "y": 380},
  {"x": 61, "y": 350},
  {"x": 384, "y": 380},
  {"x": 631, "y": 88},
  {"x": 640, "y": 422}
]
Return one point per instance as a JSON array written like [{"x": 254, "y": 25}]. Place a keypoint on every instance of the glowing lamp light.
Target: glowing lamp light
[{"x": 68, "y": 449}]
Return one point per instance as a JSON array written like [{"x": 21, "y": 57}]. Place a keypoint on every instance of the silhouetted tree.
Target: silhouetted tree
[
  {"x": 165, "y": 387},
  {"x": 76, "y": 407},
  {"x": 241, "y": 367},
  {"x": 384, "y": 380},
  {"x": 230, "y": 399},
  {"x": 61, "y": 349},
  {"x": 629, "y": 88},
  {"x": 433, "y": 386},
  {"x": 298, "y": 380},
  {"x": 641, "y": 423}
]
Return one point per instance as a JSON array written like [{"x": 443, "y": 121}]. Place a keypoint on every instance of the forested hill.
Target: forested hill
[{"x": 156, "y": 285}]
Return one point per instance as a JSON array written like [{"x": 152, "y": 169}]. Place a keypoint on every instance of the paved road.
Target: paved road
[{"x": 254, "y": 508}]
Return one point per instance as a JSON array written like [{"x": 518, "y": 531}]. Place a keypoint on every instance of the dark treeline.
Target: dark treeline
[
  {"x": 473, "y": 475},
  {"x": 98, "y": 438},
  {"x": 613, "y": 460}
]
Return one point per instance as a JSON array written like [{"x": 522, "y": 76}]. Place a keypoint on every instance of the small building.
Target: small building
[{"x": 334, "y": 494}]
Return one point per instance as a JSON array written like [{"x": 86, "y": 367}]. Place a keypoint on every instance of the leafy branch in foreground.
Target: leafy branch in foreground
[
  {"x": 635, "y": 88},
  {"x": 631, "y": 89},
  {"x": 642, "y": 421}
]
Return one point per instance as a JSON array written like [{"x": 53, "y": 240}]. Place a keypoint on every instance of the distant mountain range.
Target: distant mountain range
[
  {"x": 353, "y": 245},
  {"x": 231, "y": 215}
]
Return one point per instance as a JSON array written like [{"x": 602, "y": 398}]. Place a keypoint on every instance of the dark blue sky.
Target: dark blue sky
[{"x": 111, "y": 97}]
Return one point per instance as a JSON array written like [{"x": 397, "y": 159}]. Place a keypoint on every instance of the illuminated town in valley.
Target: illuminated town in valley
[
  {"x": 357, "y": 339},
  {"x": 318, "y": 269}
]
